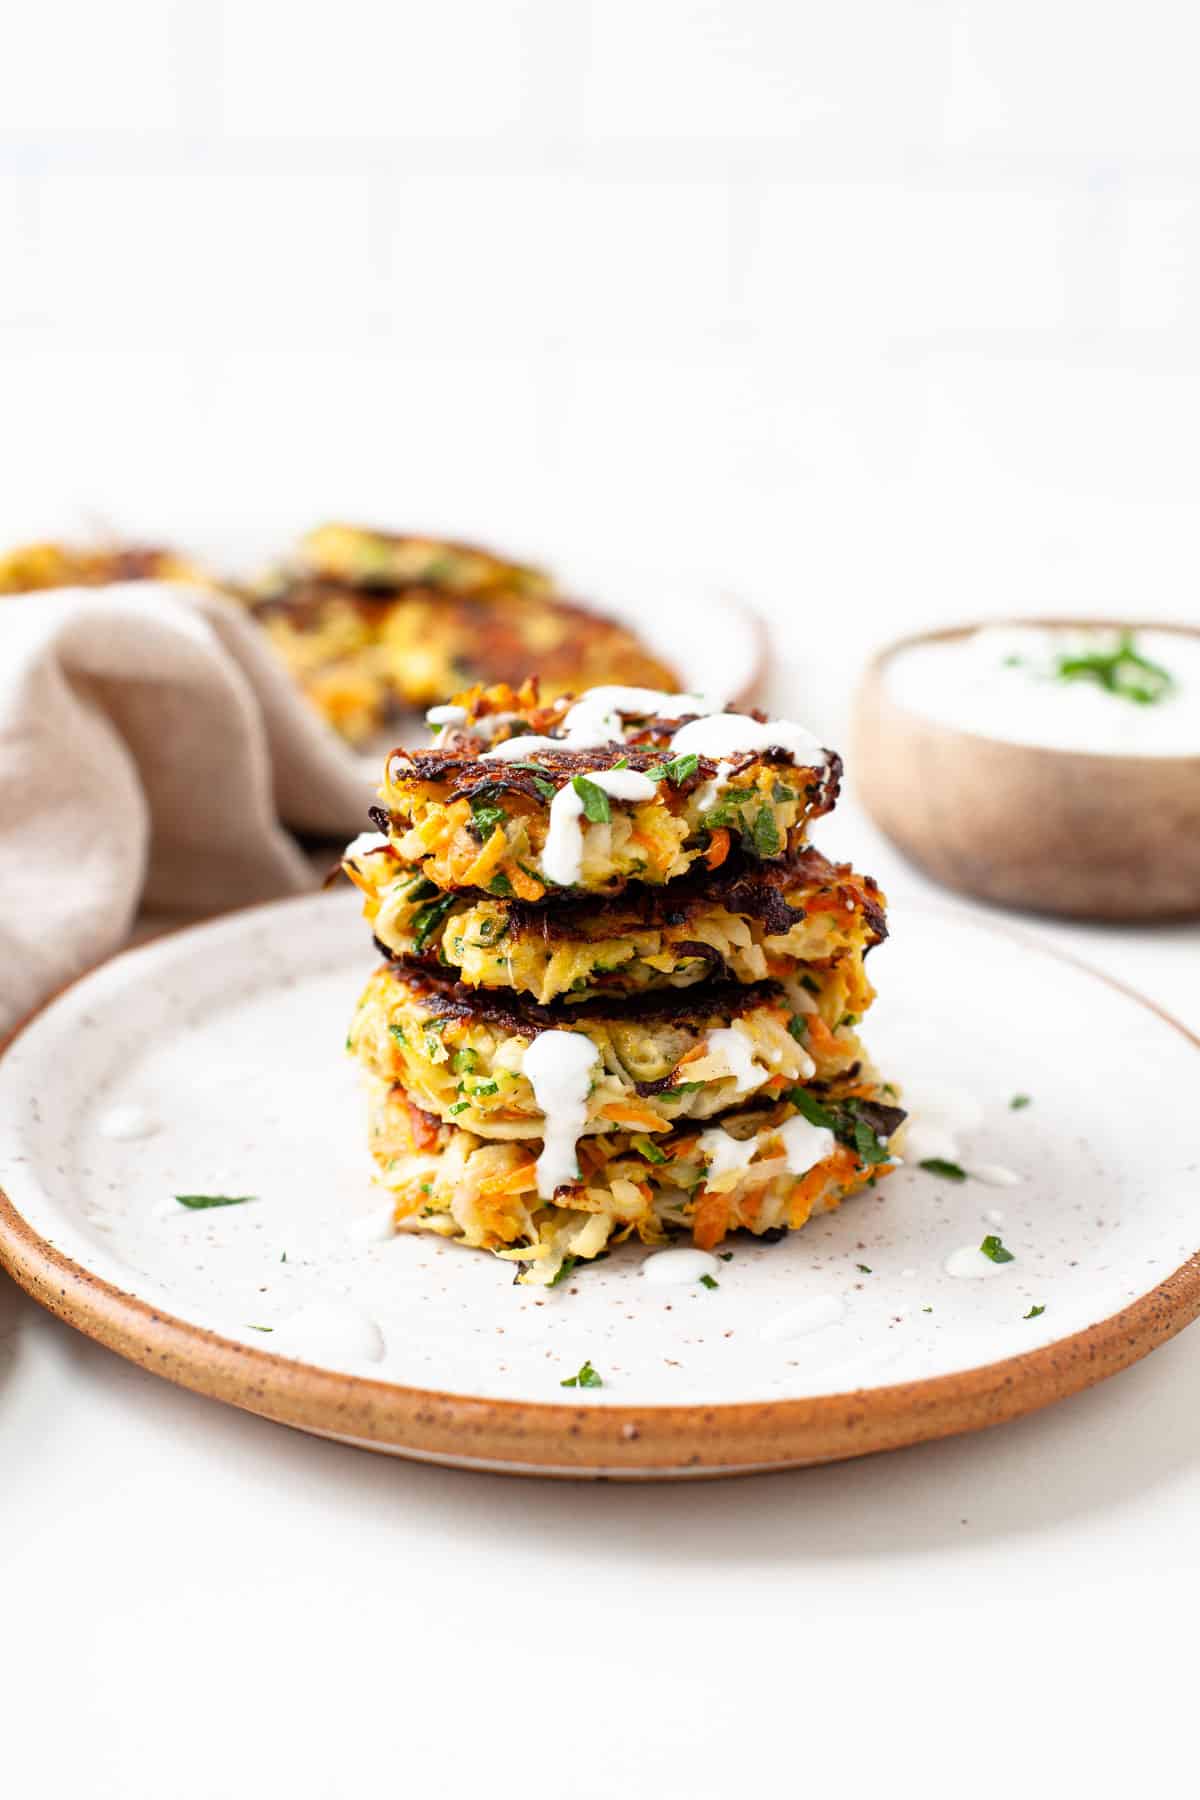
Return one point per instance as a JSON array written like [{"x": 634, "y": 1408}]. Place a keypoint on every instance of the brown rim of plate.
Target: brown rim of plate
[{"x": 561, "y": 1438}]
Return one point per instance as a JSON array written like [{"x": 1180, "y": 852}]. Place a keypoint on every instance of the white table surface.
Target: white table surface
[{"x": 196, "y": 1603}]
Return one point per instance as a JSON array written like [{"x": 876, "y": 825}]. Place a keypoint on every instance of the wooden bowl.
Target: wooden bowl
[{"x": 1092, "y": 836}]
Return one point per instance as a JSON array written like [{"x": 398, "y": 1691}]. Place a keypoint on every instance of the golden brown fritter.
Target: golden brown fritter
[
  {"x": 747, "y": 921},
  {"x": 37, "y": 566},
  {"x": 766, "y": 1170},
  {"x": 373, "y": 624},
  {"x": 467, "y": 816},
  {"x": 659, "y": 1058}
]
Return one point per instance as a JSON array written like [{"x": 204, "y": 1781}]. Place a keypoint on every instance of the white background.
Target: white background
[
  {"x": 882, "y": 312},
  {"x": 878, "y": 313}
]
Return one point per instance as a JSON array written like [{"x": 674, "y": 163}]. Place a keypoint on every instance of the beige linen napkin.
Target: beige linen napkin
[{"x": 150, "y": 746}]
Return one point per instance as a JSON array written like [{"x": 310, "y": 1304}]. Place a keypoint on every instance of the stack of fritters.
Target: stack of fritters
[{"x": 621, "y": 991}]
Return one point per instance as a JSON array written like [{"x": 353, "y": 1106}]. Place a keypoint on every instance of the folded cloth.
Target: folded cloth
[{"x": 150, "y": 746}]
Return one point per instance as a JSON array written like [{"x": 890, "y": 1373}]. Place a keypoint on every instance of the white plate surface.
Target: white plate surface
[{"x": 231, "y": 1035}]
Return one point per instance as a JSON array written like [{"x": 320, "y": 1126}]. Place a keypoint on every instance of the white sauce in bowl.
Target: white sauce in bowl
[{"x": 1002, "y": 682}]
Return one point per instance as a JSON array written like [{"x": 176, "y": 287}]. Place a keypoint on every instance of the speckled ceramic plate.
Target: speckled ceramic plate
[{"x": 847, "y": 1337}]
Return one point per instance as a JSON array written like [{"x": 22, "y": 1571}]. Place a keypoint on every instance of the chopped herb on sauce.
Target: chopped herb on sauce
[
  {"x": 994, "y": 1250},
  {"x": 1124, "y": 672},
  {"x": 949, "y": 1171},
  {"x": 595, "y": 801}
]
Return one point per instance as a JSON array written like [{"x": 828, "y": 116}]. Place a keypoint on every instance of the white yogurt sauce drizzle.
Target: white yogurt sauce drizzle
[
  {"x": 517, "y": 749},
  {"x": 799, "y": 1321},
  {"x": 127, "y": 1122},
  {"x": 726, "y": 1155},
  {"x": 364, "y": 844},
  {"x": 332, "y": 1331},
  {"x": 667, "y": 1268},
  {"x": 596, "y": 720},
  {"x": 446, "y": 715},
  {"x": 970, "y": 1264},
  {"x": 737, "y": 1054},
  {"x": 734, "y": 734},
  {"x": 995, "y": 1175},
  {"x": 936, "y": 1116},
  {"x": 558, "y": 1066},
  {"x": 805, "y": 1145},
  {"x": 562, "y": 855},
  {"x": 374, "y": 1227}
]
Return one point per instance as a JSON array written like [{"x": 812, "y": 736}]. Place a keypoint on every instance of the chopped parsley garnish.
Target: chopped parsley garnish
[
  {"x": 429, "y": 918},
  {"x": 812, "y": 1109},
  {"x": 649, "y": 1149},
  {"x": 486, "y": 1087},
  {"x": 765, "y": 834},
  {"x": 682, "y": 1087},
  {"x": 1035, "y": 1312},
  {"x": 994, "y": 1250},
  {"x": 847, "y": 1019},
  {"x": 463, "y": 1062},
  {"x": 806, "y": 981},
  {"x": 949, "y": 1171},
  {"x": 595, "y": 801},
  {"x": 260, "y": 1328},
  {"x": 728, "y": 815},
  {"x": 283, "y": 1258},
  {"x": 501, "y": 885},
  {"x": 709, "y": 1281},
  {"x": 781, "y": 791},
  {"x": 797, "y": 1026},
  {"x": 676, "y": 771},
  {"x": 725, "y": 1255},
  {"x": 846, "y": 1120},
  {"x": 927, "y": 1309},
  {"x": 397, "y": 1031},
  {"x": 198, "y": 1202},
  {"x": 869, "y": 1145},
  {"x": 541, "y": 781},
  {"x": 1123, "y": 672},
  {"x": 562, "y": 1273},
  {"x": 460, "y": 1106},
  {"x": 863, "y": 1269},
  {"x": 485, "y": 819},
  {"x": 585, "y": 1377},
  {"x": 1018, "y": 1101}
]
